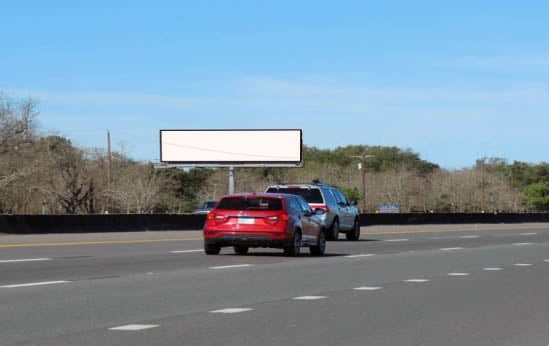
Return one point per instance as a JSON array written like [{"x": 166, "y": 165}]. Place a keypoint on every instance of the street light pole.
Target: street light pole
[{"x": 363, "y": 157}]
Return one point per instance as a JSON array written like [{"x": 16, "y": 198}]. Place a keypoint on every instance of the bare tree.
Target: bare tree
[
  {"x": 137, "y": 189},
  {"x": 17, "y": 134}
]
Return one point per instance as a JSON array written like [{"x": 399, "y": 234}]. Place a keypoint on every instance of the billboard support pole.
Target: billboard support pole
[{"x": 231, "y": 180}]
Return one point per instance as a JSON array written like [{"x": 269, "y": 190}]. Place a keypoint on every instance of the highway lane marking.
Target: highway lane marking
[
  {"x": 362, "y": 255},
  {"x": 231, "y": 310},
  {"x": 470, "y": 236},
  {"x": 187, "y": 251},
  {"x": 232, "y": 266},
  {"x": 472, "y": 229},
  {"x": 25, "y": 260},
  {"x": 522, "y": 244},
  {"x": 35, "y": 284},
  {"x": 451, "y": 248},
  {"x": 492, "y": 269},
  {"x": 458, "y": 274},
  {"x": 310, "y": 298},
  {"x": 367, "y": 288},
  {"x": 100, "y": 242},
  {"x": 547, "y": 260},
  {"x": 396, "y": 240},
  {"x": 529, "y": 233},
  {"x": 135, "y": 327},
  {"x": 522, "y": 264},
  {"x": 416, "y": 280}
]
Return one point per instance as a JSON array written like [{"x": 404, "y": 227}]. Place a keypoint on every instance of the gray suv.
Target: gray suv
[{"x": 340, "y": 217}]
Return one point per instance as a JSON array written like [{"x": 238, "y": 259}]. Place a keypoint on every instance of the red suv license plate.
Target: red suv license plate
[{"x": 246, "y": 220}]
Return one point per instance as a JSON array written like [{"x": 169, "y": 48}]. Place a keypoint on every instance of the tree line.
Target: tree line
[{"x": 47, "y": 174}]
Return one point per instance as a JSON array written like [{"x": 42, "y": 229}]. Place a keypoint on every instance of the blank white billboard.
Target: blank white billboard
[{"x": 231, "y": 147}]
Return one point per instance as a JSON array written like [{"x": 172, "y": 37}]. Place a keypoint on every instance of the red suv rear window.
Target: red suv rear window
[{"x": 249, "y": 203}]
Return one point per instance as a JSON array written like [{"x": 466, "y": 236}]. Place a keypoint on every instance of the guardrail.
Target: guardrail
[{"x": 36, "y": 224}]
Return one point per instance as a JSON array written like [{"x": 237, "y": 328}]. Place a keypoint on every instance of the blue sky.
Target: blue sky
[{"x": 453, "y": 82}]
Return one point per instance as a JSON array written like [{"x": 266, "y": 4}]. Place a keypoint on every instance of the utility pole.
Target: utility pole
[
  {"x": 109, "y": 158},
  {"x": 362, "y": 167},
  {"x": 483, "y": 201},
  {"x": 109, "y": 172}
]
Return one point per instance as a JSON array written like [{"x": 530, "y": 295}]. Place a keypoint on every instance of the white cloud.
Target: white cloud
[{"x": 499, "y": 63}]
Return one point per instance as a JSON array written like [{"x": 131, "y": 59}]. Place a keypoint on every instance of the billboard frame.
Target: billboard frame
[{"x": 233, "y": 163}]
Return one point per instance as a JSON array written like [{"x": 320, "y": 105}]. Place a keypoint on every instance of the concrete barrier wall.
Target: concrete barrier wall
[
  {"x": 35, "y": 224},
  {"x": 27, "y": 224},
  {"x": 450, "y": 218}
]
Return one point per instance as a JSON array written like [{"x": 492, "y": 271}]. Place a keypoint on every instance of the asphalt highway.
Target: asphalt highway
[{"x": 407, "y": 285}]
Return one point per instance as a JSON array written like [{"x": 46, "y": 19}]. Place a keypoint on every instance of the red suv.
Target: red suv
[{"x": 264, "y": 220}]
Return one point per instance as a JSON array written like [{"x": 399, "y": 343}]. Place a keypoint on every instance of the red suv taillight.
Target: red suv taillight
[
  {"x": 272, "y": 220},
  {"x": 217, "y": 218}
]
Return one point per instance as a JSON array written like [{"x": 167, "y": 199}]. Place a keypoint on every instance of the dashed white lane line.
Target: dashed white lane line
[
  {"x": 231, "y": 311},
  {"x": 529, "y": 233},
  {"x": 547, "y": 260},
  {"x": 451, "y": 248},
  {"x": 25, "y": 260},
  {"x": 362, "y": 255},
  {"x": 232, "y": 266},
  {"x": 35, "y": 284},
  {"x": 367, "y": 288},
  {"x": 396, "y": 240},
  {"x": 470, "y": 237},
  {"x": 416, "y": 280},
  {"x": 186, "y": 251},
  {"x": 522, "y": 244},
  {"x": 493, "y": 269},
  {"x": 310, "y": 298},
  {"x": 458, "y": 274},
  {"x": 522, "y": 264},
  {"x": 135, "y": 327}
]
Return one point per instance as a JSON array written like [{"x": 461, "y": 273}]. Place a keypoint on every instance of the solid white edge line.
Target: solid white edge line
[
  {"x": 35, "y": 284},
  {"x": 25, "y": 260},
  {"x": 309, "y": 298},
  {"x": 186, "y": 251},
  {"x": 230, "y": 310},
  {"x": 135, "y": 327},
  {"x": 232, "y": 266}
]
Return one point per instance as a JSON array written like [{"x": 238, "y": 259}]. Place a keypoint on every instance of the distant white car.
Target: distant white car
[{"x": 205, "y": 207}]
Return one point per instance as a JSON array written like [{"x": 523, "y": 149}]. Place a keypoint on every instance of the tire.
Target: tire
[
  {"x": 211, "y": 249},
  {"x": 240, "y": 249},
  {"x": 294, "y": 248},
  {"x": 354, "y": 233},
  {"x": 320, "y": 248},
  {"x": 333, "y": 232}
]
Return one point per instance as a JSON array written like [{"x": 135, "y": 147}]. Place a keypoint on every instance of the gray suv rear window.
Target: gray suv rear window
[{"x": 310, "y": 195}]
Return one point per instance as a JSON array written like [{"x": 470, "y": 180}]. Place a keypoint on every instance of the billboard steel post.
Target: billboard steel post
[{"x": 231, "y": 180}]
